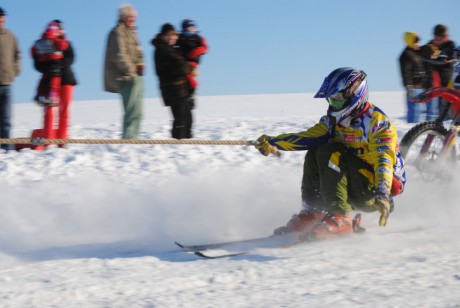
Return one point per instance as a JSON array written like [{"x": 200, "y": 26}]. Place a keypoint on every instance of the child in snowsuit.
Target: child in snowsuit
[
  {"x": 193, "y": 46},
  {"x": 352, "y": 163},
  {"x": 48, "y": 54}
]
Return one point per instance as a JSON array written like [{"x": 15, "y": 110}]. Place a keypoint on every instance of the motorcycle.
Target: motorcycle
[{"x": 431, "y": 147}]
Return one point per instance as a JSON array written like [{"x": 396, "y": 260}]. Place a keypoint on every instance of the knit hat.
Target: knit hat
[
  {"x": 166, "y": 28},
  {"x": 187, "y": 23},
  {"x": 53, "y": 26},
  {"x": 411, "y": 38},
  {"x": 2, "y": 12},
  {"x": 59, "y": 23}
]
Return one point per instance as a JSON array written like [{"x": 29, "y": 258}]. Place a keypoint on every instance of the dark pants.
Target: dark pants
[
  {"x": 335, "y": 180},
  {"x": 182, "y": 123},
  {"x": 5, "y": 114}
]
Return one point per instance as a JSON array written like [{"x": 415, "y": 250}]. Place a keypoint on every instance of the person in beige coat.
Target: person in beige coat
[
  {"x": 10, "y": 65},
  {"x": 124, "y": 68}
]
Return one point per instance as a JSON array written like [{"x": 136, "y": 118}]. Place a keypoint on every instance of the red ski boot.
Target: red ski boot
[
  {"x": 302, "y": 222},
  {"x": 333, "y": 224}
]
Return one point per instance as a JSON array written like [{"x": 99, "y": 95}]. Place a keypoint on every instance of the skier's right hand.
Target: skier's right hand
[{"x": 265, "y": 148}]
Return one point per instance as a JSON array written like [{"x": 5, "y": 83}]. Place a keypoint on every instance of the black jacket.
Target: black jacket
[
  {"x": 412, "y": 68},
  {"x": 188, "y": 43},
  {"x": 63, "y": 65},
  {"x": 171, "y": 69},
  {"x": 437, "y": 58}
]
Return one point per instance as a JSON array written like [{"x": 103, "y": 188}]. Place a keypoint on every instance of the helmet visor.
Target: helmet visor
[{"x": 337, "y": 101}]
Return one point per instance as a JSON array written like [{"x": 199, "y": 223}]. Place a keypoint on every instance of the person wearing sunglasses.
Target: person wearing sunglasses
[{"x": 352, "y": 164}]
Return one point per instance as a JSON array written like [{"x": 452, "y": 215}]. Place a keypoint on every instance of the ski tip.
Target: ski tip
[
  {"x": 202, "y": 255},
  {"x": 179, "y": 244}
]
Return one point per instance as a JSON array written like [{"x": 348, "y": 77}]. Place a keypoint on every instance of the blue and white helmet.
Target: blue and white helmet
[{"x": 345, "y": 89}]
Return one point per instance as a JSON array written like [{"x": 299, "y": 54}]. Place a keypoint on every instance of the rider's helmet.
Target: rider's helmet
[{"x": 345, "y": 89}]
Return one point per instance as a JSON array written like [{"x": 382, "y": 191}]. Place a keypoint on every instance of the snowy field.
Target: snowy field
[{"x": 94, "y": 225}]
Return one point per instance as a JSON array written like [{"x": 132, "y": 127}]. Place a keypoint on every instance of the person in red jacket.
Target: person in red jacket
[
  {"x": 48, "y": 51},
  {"x": 68, "y": 82},
  {"x": 193, "y": 46}
]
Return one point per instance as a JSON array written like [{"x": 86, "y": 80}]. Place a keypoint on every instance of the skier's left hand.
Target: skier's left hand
[
  {"x": 265, "y": 148},
  {"x": 383, "y": 205}
]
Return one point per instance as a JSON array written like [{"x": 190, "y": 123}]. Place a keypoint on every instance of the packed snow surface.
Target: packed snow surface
[{"x": 94, "y": 225}]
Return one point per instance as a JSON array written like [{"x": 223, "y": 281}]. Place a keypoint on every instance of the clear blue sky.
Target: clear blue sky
[{"x": 256, "y": 46}]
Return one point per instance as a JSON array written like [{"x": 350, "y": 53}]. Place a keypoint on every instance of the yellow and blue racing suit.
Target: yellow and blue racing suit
[{"x": 371, "y": 137}]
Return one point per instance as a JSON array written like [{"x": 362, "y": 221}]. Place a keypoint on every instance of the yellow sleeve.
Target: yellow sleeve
[{"x": 382, "y": 149}]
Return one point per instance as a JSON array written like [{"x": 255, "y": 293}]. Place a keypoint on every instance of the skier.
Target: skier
[
  {"x": 353, "y": 161},
  {"x": 193, "y": 46},
  {"x": 48, "y": 52}
]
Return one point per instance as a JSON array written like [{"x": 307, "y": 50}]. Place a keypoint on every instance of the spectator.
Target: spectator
[
  {"x": 438, "y": 55},
  {"x": 455, "y": 81},
  {"x": 414, "y": 78},
  {"x": 172, "y": 70},
  {"x": 193, "y": 46},
  {"x": 68, "y": 82},
  {"x": 10, "y": 62},
  {"x": 124, "y": 68},
  {"x": 48, "y": 53}
]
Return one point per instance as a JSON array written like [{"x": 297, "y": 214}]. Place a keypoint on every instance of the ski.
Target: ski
[
  {"x": 200, "y": 247},
  {"x": 234, "y": 254},
  {"x": 241, "y": 247},
  {"x": 262, "y": 242}
]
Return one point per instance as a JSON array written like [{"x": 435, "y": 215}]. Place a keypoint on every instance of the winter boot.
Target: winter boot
[
  {"x": 302, "y": 222},
  {"x": 333, "y": 224}
]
